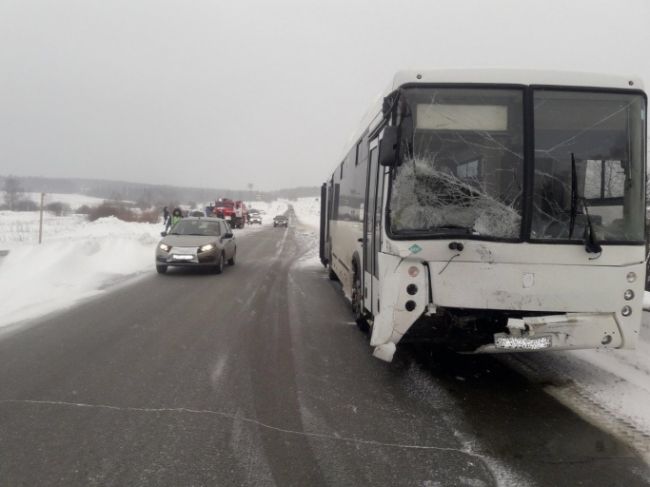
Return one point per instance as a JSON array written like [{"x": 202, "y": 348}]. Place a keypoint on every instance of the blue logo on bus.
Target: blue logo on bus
[{"x": 415, "y": 248}]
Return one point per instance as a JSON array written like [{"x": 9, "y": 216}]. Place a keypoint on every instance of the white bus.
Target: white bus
[{"x": 494, "y": 210}]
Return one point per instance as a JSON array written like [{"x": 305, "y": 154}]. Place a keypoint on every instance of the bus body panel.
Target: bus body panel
[{"x": 345, "y": 245}]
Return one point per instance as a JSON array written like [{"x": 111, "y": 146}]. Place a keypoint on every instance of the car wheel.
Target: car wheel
[
  {"x": 161, "y": 269},
  {"x": 218, "y": 269},
  {"x": 231, "y": 261}
]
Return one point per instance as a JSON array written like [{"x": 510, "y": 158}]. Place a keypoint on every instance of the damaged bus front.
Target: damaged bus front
[{"x": 502, "y": 216}]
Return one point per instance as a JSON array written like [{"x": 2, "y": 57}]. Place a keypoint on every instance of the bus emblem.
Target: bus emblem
[{"x": 415, "y": 248}]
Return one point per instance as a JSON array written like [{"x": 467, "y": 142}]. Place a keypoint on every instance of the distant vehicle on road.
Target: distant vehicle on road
[
  {"x": 280, "y": 221},
  {"x": 192, "y": 242},
  {"x": 234, "y": 212},
  {"x": 254, "y": 218}
]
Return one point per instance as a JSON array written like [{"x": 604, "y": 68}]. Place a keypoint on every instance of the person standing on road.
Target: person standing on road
[
  {"x": 166, "y": 219},
  {"x": 177, "y": 215}
]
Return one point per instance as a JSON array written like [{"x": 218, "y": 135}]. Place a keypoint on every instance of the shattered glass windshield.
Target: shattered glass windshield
[
  {"x": 588, "y": 166},
  {"x": 462, "y": 163}
]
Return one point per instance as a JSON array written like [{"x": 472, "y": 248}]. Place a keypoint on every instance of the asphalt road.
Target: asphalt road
[{"x": 259, "y": 377}]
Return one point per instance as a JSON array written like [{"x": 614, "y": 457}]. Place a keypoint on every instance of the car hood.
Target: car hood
[{"x": 189, "y": 240}]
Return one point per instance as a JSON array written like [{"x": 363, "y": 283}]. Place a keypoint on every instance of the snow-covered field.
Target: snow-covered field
[
  {"x": 19, "y": 228},
  {"x": 73, "y": 200},
  {"x": 617, "y": 382},
  {"x": 77, "y": 258}
]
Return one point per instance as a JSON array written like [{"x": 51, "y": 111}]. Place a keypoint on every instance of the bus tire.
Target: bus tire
[
  {"x": 357, "y": 303},
  {"x": 331, "y": 274}
]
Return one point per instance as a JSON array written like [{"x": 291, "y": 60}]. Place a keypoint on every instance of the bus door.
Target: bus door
[{"x": 370, "y": 242}]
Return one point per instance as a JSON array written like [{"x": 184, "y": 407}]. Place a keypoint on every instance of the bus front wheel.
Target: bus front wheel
[{"x": 357, "y": 304}]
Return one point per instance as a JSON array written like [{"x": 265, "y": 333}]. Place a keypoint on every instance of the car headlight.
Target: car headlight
[
  {"x": 206, "y": 248},
  {"x": 164, "y": 247}
]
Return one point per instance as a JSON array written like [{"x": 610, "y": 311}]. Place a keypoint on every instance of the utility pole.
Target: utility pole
[{"x": 40, "y": 224}]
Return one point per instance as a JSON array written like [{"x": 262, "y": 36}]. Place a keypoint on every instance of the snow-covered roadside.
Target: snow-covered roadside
[
  {"x": 76, "y": 260},
  {"x": 308, "y": 211},
  {"x": 616, "y": 381}
]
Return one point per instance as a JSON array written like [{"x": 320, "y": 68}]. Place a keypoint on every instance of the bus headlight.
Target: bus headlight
[
  {"x": 631, "y": 276},
  {"x": 626, "y": 311},
  {"x": 628, "y": 295}
]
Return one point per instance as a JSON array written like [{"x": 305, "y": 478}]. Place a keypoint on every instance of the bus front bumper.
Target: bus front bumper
[{"x": 557, "y": 332}]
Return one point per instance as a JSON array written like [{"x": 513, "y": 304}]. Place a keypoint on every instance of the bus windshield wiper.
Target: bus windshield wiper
[{"x": 591, "y": 245}]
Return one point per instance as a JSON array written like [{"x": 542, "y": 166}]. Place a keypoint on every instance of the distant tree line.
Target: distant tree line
[{"x": 150, "y": 195}]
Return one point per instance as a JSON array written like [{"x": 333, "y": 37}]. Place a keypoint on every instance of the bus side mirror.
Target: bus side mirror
[{"x": 388, "y": 147}]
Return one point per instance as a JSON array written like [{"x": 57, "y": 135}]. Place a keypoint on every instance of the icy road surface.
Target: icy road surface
[{"x": 259, "y": 377}]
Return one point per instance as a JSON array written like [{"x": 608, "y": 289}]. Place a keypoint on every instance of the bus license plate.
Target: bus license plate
[{"x": 523, "y": 343}]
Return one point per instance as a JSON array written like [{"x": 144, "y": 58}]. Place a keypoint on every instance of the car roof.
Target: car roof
[{"x": 204, "y": 218}]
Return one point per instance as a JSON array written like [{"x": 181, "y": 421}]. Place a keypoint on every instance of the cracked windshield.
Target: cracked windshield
[
  {"x": 307, "y": 243},
  {"x": 462, "y": 163}
]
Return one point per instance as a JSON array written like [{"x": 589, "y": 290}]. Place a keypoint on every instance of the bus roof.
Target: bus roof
[
  {"x": 493, "y": 76},
  {"x": 517, "y": 77}
]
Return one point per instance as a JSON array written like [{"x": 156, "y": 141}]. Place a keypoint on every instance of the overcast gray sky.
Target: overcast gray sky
[{"x": 216, "y": 93}]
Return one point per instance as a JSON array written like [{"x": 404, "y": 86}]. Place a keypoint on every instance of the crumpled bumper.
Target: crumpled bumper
[{"x": 557, "y": 332}]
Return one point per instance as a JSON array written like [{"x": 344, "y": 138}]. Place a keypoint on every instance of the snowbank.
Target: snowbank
[
  {"x": 308, "y": 211},
  {"x": 77, "y": 260}
]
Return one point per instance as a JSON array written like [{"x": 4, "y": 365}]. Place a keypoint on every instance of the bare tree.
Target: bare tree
[{"x": 13, "y": 192}]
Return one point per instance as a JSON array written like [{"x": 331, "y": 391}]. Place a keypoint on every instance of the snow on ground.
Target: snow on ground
[
  {"x": 74, "y": 200},
  {"x": 19, "y": 228},
  {"x": 308, "y": 211},
  {"x": 617, "y": 380},
  {"x": 77, "y": 259}
]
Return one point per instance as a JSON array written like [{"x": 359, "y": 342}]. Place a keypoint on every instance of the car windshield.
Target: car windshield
[
  {"x": 196, "y": 227},
  {"x": 462, "y": 171}
]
